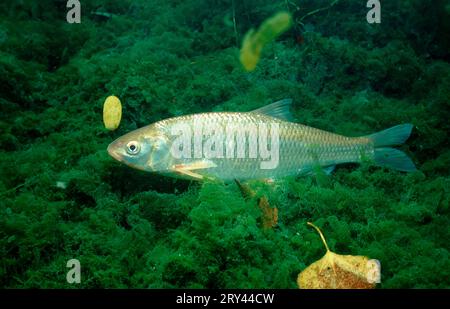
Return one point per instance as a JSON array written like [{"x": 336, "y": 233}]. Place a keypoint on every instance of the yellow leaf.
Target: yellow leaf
[
  {"x": 254, "y": 41},
  {"x": 335, "y": 271},
  {"x": 112, "y": 112}
]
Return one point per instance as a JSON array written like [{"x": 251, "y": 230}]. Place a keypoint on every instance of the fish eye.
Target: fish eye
[{"x": 133, "y": 148}]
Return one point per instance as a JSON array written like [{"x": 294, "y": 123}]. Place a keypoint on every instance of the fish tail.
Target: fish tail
[{"x": 390, "y": 157}]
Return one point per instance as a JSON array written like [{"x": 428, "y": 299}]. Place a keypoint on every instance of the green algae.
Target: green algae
[{"x": 132, "y": 229}]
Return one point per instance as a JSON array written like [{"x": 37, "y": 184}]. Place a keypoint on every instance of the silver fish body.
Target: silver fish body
[{"x": 251, "y": 145}]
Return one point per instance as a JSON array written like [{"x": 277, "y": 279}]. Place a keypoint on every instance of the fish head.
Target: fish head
[{"x": 144, "y": 149}]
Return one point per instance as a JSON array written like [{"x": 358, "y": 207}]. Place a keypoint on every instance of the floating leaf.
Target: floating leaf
[
  {"x": 254, "y": 41},
  {"x": 335, "y": 271},
  {"x": 112, "y": 112}
]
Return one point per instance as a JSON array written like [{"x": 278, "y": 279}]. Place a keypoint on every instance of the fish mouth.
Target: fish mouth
[{"x": 113, "y": 153}]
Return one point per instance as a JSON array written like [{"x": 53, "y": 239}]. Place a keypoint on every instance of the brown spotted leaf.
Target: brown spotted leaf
[{"x": 335, "y": 271}]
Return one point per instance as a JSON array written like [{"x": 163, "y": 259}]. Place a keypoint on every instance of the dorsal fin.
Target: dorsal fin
[{"x": 279, "y": 109}]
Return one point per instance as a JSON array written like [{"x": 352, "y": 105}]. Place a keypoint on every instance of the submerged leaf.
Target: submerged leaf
[
  {"x": 269, "y": 214},
  {"x": 254, "y": 41},
  {"x": 335, "y": 271},
  {"x": 112, "y": 112}
]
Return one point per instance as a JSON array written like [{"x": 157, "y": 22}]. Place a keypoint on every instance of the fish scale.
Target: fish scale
[{"x": 301, "y": 147}]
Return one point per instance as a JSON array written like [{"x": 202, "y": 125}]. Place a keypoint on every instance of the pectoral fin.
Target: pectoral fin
[
  {"x": 188, "y": 173},
  {"x": 187, "y": 169},
  {"x": 329, "y": 169}
]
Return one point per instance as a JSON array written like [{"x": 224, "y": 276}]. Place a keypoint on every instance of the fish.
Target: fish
[{"x": 261, "y": 144}]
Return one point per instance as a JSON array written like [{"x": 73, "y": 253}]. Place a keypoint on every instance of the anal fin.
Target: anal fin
[
  {"x": 189, "y": 168},
  {"x": 329, "y": 169}
]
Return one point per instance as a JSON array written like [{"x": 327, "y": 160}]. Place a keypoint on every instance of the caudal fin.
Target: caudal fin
[
  {"x": 394, "y": 158},
  {"x": 390, "y": 157}
]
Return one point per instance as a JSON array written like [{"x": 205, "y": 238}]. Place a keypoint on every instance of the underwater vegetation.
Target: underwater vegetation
[{"x": 62, "y": 197}]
